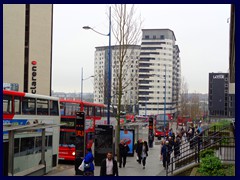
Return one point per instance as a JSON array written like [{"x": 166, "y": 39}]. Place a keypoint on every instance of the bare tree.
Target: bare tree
[
  {"x": 195, "y": 106},
  {"x": 127, "y": 30},
  {"x": 184, "y": 98}
]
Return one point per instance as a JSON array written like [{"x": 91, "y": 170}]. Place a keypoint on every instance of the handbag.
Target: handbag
[
  {"x": 81, "y": 167},
  {"x": 86, "y": 165}
]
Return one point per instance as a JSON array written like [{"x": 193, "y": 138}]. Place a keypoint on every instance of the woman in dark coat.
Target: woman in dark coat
[{"x": 142, "y": 151}]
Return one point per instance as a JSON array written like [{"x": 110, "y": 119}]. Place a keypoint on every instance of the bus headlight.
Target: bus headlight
[{"x": 73, "y": 153}]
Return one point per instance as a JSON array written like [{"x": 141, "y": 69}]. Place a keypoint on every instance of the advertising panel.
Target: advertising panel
[
  {"x": 128, "y": 137},
  {"x": 103, "y": 142}
]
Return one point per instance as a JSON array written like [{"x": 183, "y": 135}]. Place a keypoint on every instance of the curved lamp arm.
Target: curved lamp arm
[{"x": 87, "y": 28}]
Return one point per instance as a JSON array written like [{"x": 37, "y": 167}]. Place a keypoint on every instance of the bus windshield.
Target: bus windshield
[
  {"x": 161, "y": 122},
  {"x": 67, "y": 139}
]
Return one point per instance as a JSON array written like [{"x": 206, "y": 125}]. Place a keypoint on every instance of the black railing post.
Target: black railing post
[
  {"x": 220, "y": 146},
  {"x": 198, "y": 158}
]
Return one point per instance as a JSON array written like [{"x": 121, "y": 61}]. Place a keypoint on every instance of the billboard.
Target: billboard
[
  {"x": 103, "y": 142},
  {"x": 128, "y": 136}
]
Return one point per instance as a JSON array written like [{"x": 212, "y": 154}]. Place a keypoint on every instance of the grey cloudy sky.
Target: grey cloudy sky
[{"x": 202, "y": 33}]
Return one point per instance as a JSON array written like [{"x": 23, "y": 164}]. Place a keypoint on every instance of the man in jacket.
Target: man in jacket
[
  {"x": 123, "y": 151},
  {"x": 109, "y": 166}
]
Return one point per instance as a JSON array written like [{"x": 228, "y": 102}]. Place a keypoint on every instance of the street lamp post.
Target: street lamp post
[
  {"x": 82, "y": 83},
  {"x": 165, "y": 103},
  {"x": 109, "y": 64}
]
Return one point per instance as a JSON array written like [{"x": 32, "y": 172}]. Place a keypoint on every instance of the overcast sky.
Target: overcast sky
[{"x": 201, "y": 31}]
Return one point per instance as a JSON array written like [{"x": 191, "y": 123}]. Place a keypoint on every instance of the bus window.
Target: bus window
[
  {"x": 16, "y": 147},
  {"x": 7, "y": 104},
  {"x": 29, "y": 105},
  {"x": 17, "y": 105},
  {"x": 38, "y": 145},
  {"x": 27, "y": 146},
  {"x": 62, "y": 110},
  {"x": 97, "y": 111},
  {"x": 54, "y": 108},
  {"x": 42, "y": 107},
  {"x": 50, "y": 141},
  {"x": 91, "y": 111},
  {"x": 86, "y": 108}
]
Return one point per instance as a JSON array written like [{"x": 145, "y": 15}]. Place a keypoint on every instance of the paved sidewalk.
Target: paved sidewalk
[{"x": 153, "y": 167}]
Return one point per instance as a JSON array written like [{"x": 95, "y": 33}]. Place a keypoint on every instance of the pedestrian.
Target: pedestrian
[
  {"x": 142, "y": 152},
  {"x": 88, "y": 161},
  {"x": 191, "y": 136},
  {"x": 151, "y": 139},
  {"x": 123, "y": 151},
  {"x": 137, "y": 149},
  {"x": 165, "y": 154},
  {"x": 177, "y": 143},
  {"x": 109, "y": 166},
  {"x": 170, "y": 132},
  {"x": 170, "y": 144}
]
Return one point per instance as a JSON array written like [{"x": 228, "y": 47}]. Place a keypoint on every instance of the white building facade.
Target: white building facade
[
  {"x": 27, "y": 46},
  {"x": 159, "y": 62},
  {"x": 130, "y": 76}
]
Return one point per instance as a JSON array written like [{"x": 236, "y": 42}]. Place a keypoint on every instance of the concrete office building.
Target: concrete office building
[
  {"x": 231, "y": 111},
  {"x": 218, "y": 95},
  {"x": 130, "y": 76},
  {"x": 159, "y": 56},
  {"x": 27, "y": 46}
]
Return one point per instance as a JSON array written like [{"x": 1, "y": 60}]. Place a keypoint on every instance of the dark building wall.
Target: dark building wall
[
  {"x": 218, "y": 94},
  {"x": 231, "y": 106}
]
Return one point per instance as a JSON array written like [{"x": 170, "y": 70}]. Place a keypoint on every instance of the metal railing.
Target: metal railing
[{"x": 219, "y": 138}]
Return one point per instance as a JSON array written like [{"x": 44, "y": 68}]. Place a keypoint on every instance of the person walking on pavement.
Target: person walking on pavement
[
  {"x": 176, "y": 145},
  {"x": 109, "y": 166},
  {"x": 165, "y": 152},
  {"x": 88, "y": 161},
  {"x": 137, "y": 149},
  {"x": 123, "y": 151},
  {"x": 150, "y": 139},
  {"x": 142, "y": 151}
]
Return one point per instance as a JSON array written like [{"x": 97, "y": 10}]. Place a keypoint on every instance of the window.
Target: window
[
  {"x": 16, "y": 147},
  {"x": 27, "y": 146},
  {"x": 17, "y": 105},
  {"x": 7, "y": 104},
  {"x": 42, "y": 107},
  {"x": 54, "y": 108},
  {"x": 146, "y": 37},
  {"x": 161, "y": 36},
  {"x": 29, "y": 105}
]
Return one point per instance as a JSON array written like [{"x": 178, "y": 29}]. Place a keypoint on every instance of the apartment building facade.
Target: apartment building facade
[
  {"x": 159, "y": 73},
  {"x": 130, "y": 76}
]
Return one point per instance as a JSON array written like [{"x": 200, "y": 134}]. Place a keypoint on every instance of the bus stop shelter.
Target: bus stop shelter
[{"x": 9, "y": 159}]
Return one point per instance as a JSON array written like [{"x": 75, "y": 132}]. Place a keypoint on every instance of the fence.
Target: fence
[{"x": 219, "y": 138}]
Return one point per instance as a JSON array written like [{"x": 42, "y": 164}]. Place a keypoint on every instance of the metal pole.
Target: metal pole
[
  {"x": 82, "y": 85},
  {"x": 165, "y": 104},
  {"x": 109, "y": 69},
  {"x": 145, "y": 105}
]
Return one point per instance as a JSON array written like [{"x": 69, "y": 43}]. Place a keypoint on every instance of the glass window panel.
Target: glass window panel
[
  {"x": 7, "y": 104},
  {"x": 42, "y": 107}
]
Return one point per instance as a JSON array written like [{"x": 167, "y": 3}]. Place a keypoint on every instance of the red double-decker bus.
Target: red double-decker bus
[
  {"x": 183, "y": 120},
  {"x": 159, "y": 123},
  {"x": 93, "y": 114}
]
